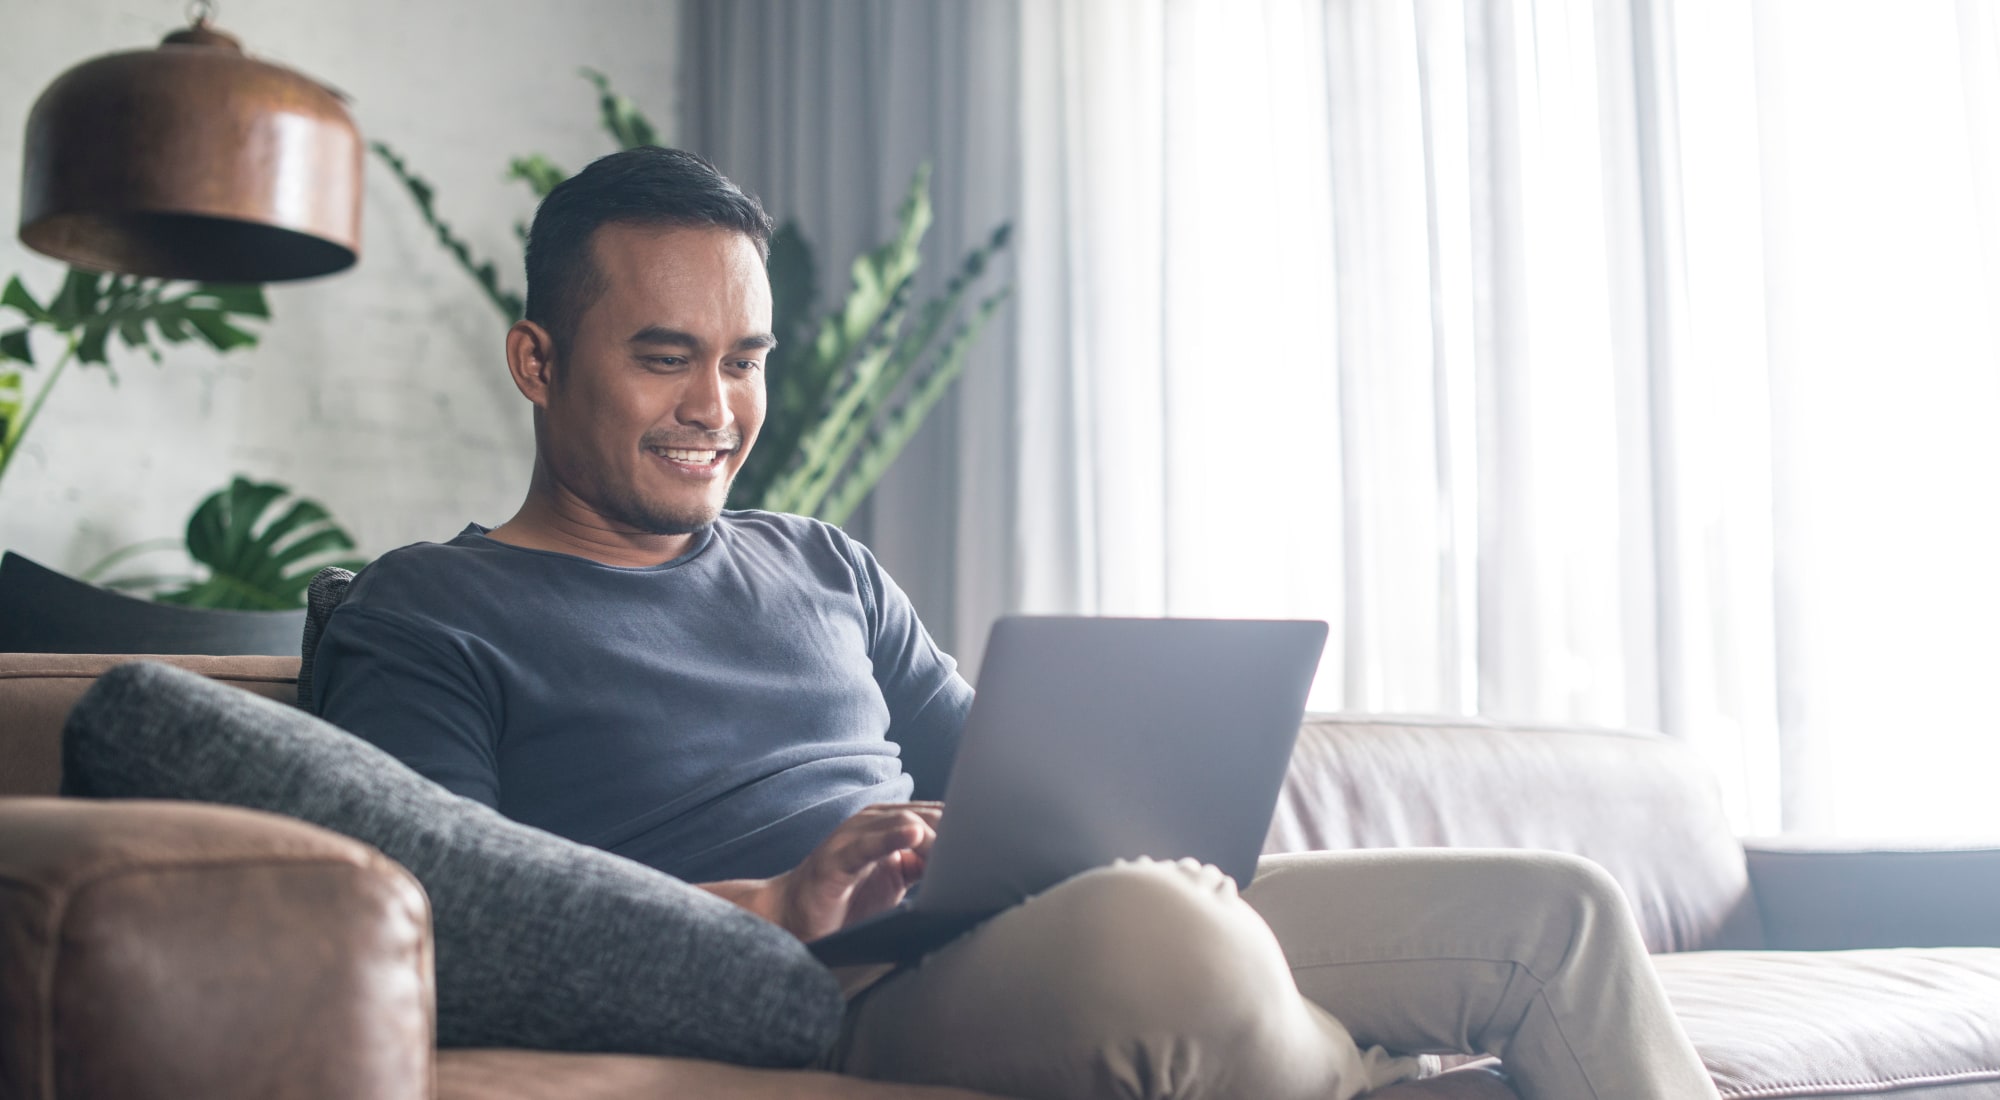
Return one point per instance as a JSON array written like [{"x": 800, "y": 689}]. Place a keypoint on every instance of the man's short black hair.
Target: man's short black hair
[{"x": 644, "y": 186}]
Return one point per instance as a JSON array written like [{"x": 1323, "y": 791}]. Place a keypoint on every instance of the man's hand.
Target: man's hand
[{"x": 864, "y": 867}]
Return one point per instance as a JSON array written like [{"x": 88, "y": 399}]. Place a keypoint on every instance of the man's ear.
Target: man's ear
[{"x": 531, "y": 359}]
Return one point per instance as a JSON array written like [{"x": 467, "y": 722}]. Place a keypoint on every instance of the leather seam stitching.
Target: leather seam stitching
[
  {"x": 98, "y": 877},
  {"x": 81, "y": 674},
  {"x": 59, "y": 918},
  {"x": 1780, "y": 1088},
  {"x": 44, "y": 997}
]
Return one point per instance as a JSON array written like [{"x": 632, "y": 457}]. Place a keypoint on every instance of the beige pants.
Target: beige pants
[{"x": 1154, "y": 980}]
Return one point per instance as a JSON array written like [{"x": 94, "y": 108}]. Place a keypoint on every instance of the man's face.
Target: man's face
[{"x": 660, "y": 394}]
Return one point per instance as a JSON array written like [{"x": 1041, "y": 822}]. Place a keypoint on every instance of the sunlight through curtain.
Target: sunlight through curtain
[
  {"x": 1876, "y": 133},
  {"x": 1349, "y": 311}
]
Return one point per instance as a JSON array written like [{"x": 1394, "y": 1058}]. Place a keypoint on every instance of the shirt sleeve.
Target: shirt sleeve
[
  {"x": 411, "y": 693},
  {"x": 927, "y": 698}
]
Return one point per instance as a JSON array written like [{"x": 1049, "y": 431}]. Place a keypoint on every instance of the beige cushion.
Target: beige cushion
[{"x": 1915, "y": 1024}]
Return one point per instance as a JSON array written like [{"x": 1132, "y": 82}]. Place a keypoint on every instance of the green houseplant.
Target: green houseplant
[
  {"x": 846, "y": 393},
  {"x": 88, "y": 310},
  {"x": 258, "y": 542}
]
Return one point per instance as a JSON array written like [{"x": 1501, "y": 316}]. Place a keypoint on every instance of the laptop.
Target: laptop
[{"x": 1097, "y": 739}]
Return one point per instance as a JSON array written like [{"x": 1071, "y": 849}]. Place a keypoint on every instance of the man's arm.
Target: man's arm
[
  {"x": 927, "y": 698},
  {"x": 411, "y": 695}
]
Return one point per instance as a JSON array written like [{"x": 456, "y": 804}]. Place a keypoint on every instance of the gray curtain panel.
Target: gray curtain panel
[{"x": 825, "y": 108}]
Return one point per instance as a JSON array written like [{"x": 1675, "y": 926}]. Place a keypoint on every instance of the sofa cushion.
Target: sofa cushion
[
  {"x": 541, "y": 942},
  {"x": 37, "y": 690},
  {"x": 1914, "y": 1024},
  {"x": 527, "y": 1075},
  {"x": 1360, "y": 781},
  {"x": 537, "y": 1075}
]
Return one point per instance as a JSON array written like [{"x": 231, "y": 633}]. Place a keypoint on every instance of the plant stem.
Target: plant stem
[
  {"x": 15, "y": 432},
  {"x": 127, "y": 553}
]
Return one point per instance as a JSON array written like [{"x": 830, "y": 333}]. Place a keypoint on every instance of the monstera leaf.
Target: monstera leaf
[
  {"x": 261, "y": 544},
  {"x": 89, "y": 309}
]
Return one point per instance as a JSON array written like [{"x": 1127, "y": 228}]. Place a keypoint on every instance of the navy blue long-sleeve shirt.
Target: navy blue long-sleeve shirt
[{"x": 714, "y": 717}]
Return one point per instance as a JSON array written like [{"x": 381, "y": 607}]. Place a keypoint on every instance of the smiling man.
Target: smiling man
[
  {"x": 620, "y": 662},
  {"x": 656, "y": 411},
  {"x": 746, "y": 701}
]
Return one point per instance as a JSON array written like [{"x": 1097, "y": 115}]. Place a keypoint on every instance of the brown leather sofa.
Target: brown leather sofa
[{"x": 173, "y": 950}]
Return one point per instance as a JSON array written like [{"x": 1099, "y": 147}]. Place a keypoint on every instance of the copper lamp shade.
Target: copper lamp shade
[{"x": 192, "y": 161}]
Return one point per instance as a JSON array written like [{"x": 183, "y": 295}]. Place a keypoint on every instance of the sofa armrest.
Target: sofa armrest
[
  {"x": 1818, "y": 896},
  {"x": 154, "y": 950}
]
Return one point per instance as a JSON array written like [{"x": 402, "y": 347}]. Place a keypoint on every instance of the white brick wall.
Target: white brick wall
[{"x": 379, "y": 391}]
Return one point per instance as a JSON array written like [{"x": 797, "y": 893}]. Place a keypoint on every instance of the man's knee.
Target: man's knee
[
  {"x": 1559, "y": 884},
  {"x": 1140, "y": 980},
  {"x": 1183, "y": 983},
  {"x": 1157, "y": 948}
]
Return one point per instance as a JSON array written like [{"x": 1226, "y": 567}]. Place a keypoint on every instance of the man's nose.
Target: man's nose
[{"x": 702, "y": 400}]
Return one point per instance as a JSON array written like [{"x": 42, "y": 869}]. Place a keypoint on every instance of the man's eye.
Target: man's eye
[
  {"x": 665, "y": 360},
  {"x": 748, "y": 364}
]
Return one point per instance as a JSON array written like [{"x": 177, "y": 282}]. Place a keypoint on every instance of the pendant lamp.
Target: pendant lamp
[{"x": 193, "y": 161}]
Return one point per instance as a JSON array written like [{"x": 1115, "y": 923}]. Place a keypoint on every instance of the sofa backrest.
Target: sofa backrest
[
  {"x": 38, "y": 689},
  {"x": 1641, "y": 805}
]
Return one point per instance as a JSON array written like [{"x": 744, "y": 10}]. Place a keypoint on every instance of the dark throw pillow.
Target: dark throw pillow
[{"x": 541, "y": 943}]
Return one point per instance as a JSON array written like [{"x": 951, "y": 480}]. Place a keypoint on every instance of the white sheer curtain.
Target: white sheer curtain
[
  {"x": 1368, "y": 311},
  {"x": 1853, "y": 218}
]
